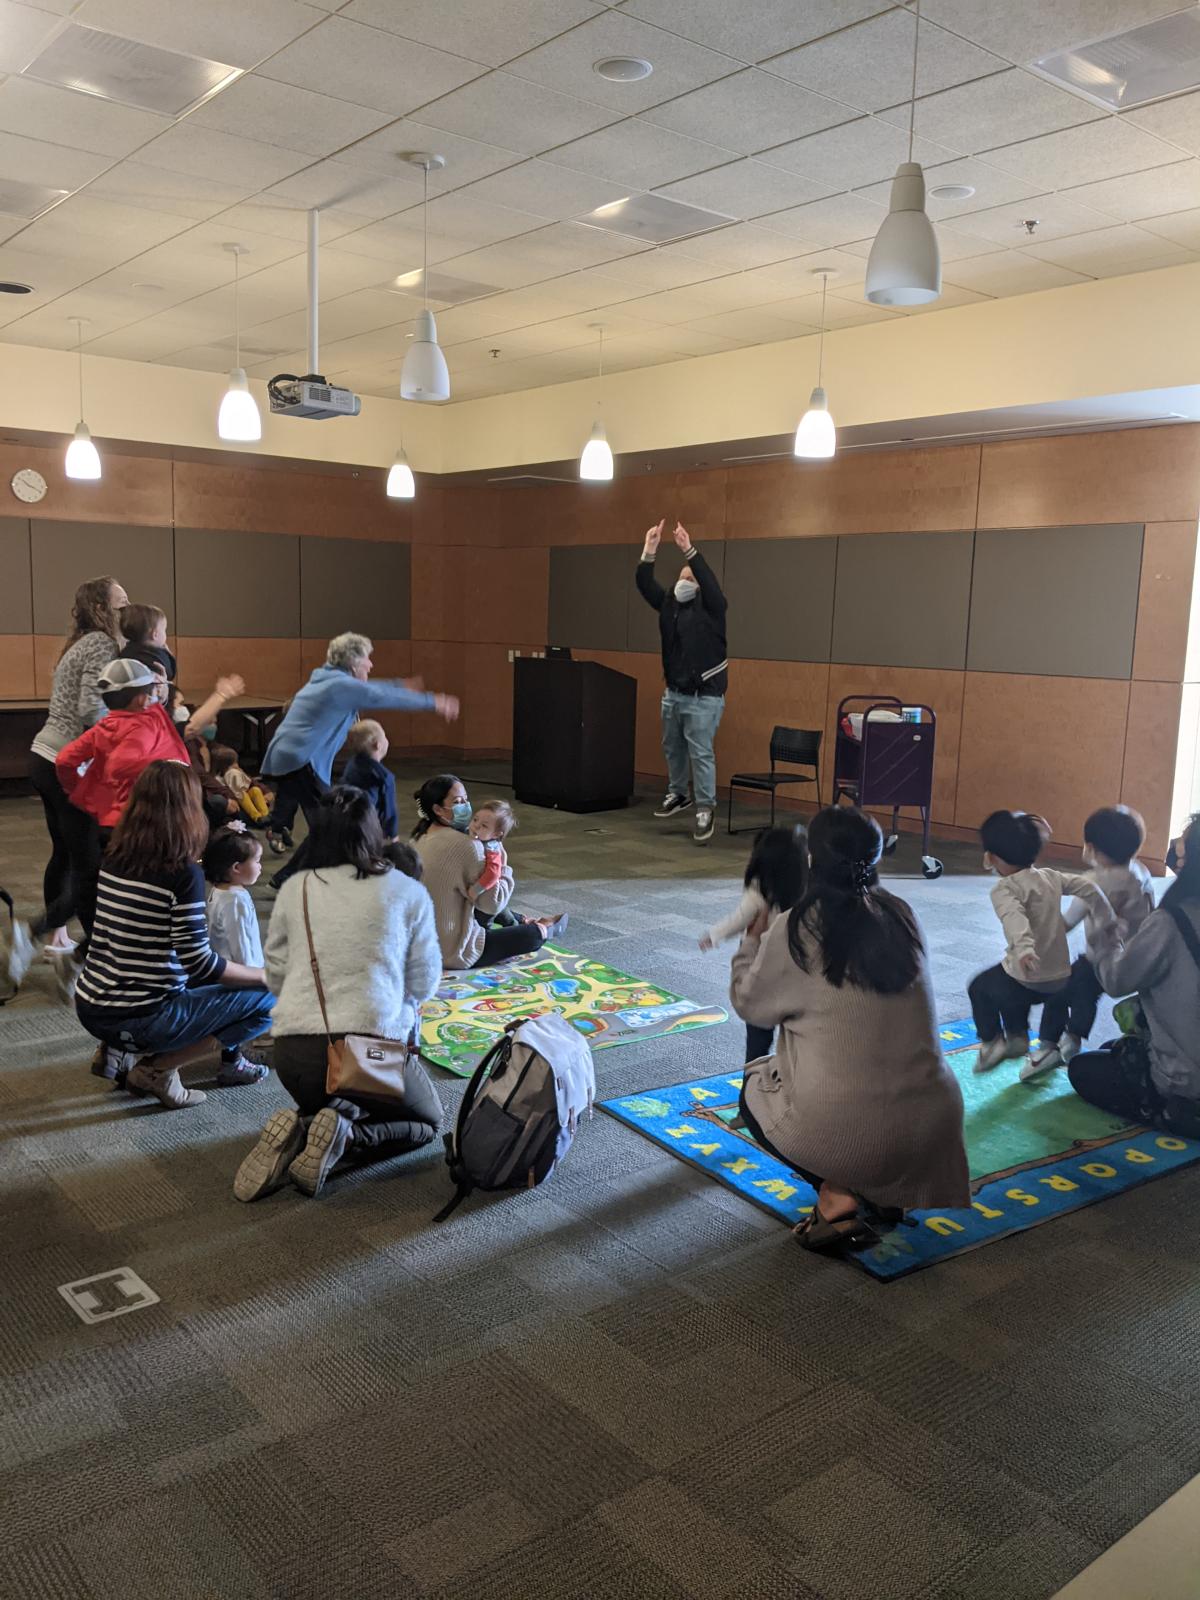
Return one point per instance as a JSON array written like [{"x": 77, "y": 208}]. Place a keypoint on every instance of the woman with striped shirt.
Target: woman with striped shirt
[{"x": 152, "y": 986}]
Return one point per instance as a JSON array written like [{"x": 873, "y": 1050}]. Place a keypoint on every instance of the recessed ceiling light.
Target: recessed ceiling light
[
  {"x": 623, "y": 69},
  {"x": 16, "y": 288},
  {"x": 953, "y": 191}
]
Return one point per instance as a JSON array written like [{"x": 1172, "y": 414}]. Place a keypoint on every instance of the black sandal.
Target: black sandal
[{"x": 819, "y": 1234}]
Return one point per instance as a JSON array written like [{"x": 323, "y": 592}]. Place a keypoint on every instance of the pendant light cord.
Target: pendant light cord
[
  {"x": 237, "y": 315},
  {"x": 912, "y": 104},
  {"x": 425, "y": 258},
  {"x": 79, "y": 339},
  {"x": 821, "y": 340},
  {"x": 601, "y": 374}
]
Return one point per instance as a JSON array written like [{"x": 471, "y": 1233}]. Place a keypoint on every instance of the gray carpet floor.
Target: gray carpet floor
[{"x": 627, "y": 1385}]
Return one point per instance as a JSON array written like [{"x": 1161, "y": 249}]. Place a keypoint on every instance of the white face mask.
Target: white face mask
[{"x": 686, "y": 590}]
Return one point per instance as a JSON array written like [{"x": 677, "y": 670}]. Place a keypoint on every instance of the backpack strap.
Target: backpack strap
[
  {"x": 496, "y": 1058},
  {"x": 1186, "y": 931}
]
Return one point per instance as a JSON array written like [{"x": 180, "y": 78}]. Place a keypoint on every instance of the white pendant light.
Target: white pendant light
[
  {"x": 424, "y": 375},
  {"x": 238, "y": 419},
  {"x": 816, "y": 436},
  {"x": 596, "y": 461},
  {"x": 83, "y": 459},
  {"x": 905, "y": 264},
  {"x": 401, "y": 485}
]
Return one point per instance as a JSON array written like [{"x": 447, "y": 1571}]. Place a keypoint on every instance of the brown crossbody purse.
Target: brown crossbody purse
[{"x": 359, "y": 1066}]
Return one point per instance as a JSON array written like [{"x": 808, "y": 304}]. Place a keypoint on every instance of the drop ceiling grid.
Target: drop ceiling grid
[{"x": 830, "y": 64}]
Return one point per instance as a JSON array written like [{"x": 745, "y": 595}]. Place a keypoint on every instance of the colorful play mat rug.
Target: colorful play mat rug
[
  {"x": 1036, "y": 1151},
  {"x": 471, "y": 1009}
]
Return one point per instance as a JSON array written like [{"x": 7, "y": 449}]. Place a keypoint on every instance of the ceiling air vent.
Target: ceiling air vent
[
  {"x": 1128, "y": 69},
  {"x": 142, "y": 75},
  {"x": 655, "y": 218}
]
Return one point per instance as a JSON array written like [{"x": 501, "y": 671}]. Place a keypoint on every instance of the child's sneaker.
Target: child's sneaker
[
  {"x": 1069, "y": 1047},
  {"x": 241, "y": 1071},
  {"x": 265, "y": 1169},
  {"x": 991, "y": 1054},
  {"x": 1044, "y": 1059},
  {"x": 328, "y": 1136},
  {"x": 277, "y": 840}
]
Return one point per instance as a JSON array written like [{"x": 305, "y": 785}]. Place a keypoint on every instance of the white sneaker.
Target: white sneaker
[
  {"x": 1069, "y": 1047},
  {"x": 21, "y": 953},
  {"x": 1044, "y": 1059},
  {"x": 703, "y": 831}
]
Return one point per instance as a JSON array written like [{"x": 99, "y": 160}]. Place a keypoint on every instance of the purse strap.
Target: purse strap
[
  {"x": 312, "y": 961},
  {"x": 1186, "y": 931}
]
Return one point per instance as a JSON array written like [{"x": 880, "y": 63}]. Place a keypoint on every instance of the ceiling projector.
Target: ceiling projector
[{"x": 310, "y": 396}]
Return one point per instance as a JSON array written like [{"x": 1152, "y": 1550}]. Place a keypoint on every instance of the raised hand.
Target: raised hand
[
  {"x": 230, "y": 687},
  {"x": 653, "y": 535},
  {"x": 682, "y": 537},
  {"x": 446, "y": 707}
]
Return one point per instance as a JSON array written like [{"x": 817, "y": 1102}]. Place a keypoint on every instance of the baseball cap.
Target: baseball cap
[{"x": 125, "y": 675}]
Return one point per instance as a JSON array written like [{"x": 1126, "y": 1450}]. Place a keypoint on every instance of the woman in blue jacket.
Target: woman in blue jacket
[{"x": 299, "y": 759}]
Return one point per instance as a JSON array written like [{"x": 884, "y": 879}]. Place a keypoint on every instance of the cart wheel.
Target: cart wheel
[
  {"x": 890, "y": 843},
  {"x": 931, "y": 867}
]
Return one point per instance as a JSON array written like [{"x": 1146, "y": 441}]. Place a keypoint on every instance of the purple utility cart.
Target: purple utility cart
[{"x": 887, "y": 762}]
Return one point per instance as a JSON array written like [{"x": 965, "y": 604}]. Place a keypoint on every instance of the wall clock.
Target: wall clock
[{"x": 28, "y": 486}]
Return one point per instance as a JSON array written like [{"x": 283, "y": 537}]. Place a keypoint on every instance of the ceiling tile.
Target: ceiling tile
[
  {"x": 1106, "y": 149},
  {"x": 333, "y": 183},
  {"x": 1177, "y": 120},
  {"x": 749, "y": 327},
  {"x": 1109, "y": 252},
  {"x": 23, "y": 32},
  {"x": 1057, "y": 217},
  {"x": 507, "y": 111},
  {"x": 62, "y": 116},
  {"x": 198, "y": 152},
  {"x": 952, "y": 295},
  {"x": 494, "y": 31},
  {"x": 368, "y": 67},
  {"x": 562, "y": 247},
  {"x": 639, "y": 154},
  {"x": 1023, "y": 30},
  {"x": 1144, "y": 194},
  {"x": 659, "y": 269},
  {"x": 219, "y": 30},
  {"x": 466, "y": 159},
  {"x": 741, "y": 245},
  {"x": 1183, "y": 227},
  {"x": 750, "y": 112},
  {"x": 287, "y": 221},
  {"x": 751, "y": 33},
  {"x": 537, "y": 339},
  {"x": 674, "y": 305},
  {"x": 38, "y": 161},
  {"x": 1008, "y": 272},
  {"x": 277, "y": 113},
  {"x": 848, "y": 312},
  {"x": 992, "y": 188},
  {"x": 546, "y": 190},
  {"x": 838, "y": 219},
  {"x": 744, "y": 189},
  {"x": 567, "y": 63},
  {"x": 455, "y": 226},
  {"x": 870, "y": 65},
  {"x": 853, "y": 155},
  {"x": 995, "y": 111},
  {"x": 134, "y": 184}
]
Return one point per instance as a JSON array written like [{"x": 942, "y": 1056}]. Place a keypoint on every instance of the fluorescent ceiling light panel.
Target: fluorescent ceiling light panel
[
  {"x": 444, "y": 287},
  {"x": 653, "y": 218},
  {"x": 29, "y": 200},
  {"x": 1129, "y": 69},
  {"x": 112, "y": 68}
]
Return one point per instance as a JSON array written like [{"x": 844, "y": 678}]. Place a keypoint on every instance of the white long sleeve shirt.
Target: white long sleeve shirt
[
  {"x": 750, "y": 906},
  {"x": 1029, "y": 905}
]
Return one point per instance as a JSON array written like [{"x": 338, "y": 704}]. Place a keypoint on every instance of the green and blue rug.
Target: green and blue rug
[{"x": 1036, "y": 1151}]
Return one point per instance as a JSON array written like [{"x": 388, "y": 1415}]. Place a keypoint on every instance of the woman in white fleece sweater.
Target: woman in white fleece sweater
[{"x": 376, "y": 950}]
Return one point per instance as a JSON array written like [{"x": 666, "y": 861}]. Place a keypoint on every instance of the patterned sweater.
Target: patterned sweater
[{"x": 75, "y": 702}]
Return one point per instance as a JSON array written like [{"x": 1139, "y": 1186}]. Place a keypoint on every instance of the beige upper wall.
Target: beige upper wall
[{"x": 1112, "y": 336}]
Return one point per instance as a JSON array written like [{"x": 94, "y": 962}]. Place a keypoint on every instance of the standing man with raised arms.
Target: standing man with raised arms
[{"x": 691, "y": 620}]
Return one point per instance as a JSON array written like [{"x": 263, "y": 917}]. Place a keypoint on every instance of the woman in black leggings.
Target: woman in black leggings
[{"x": 453, "y": 864}]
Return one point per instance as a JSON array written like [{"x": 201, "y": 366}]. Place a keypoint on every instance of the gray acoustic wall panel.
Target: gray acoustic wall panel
[
  {"x": 359, "y": 584},
  {"x": 66, "y": 554},
  {"x": 643, "y": 632},
  {"x": 780, "y": 594},
  {"x": 589, "y": 590},
  {"x": 237, "y": 585},
  {"x": 902, "y": 600},
  {"x": 1056, "y": 602},
  {"x": 16, "y": 593}
]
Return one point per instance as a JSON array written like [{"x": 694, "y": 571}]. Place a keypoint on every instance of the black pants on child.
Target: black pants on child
[
  {"x": 1073, "y": 1009},
  {"x": 758, "y": 1041},
  {"x": 1000, "y": 1004},
  {"x": 382, "y": 1128}
]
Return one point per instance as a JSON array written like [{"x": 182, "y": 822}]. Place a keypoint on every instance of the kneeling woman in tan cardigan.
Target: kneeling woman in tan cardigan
[
  {"x": 473, "y": 926},
  {"x": 857, "y": 1098}
]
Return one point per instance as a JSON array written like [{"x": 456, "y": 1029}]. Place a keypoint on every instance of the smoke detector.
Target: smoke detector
[{"x": 623, "y": 69}]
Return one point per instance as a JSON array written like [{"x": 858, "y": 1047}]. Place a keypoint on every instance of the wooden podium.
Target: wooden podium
[{"x": 573, "y": 734}]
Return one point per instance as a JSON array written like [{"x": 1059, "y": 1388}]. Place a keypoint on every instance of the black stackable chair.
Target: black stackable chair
[{"x": 796, "y": 747}]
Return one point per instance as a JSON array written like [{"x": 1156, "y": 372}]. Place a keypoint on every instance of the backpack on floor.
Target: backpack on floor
[{"x": 521, "y": 1108}]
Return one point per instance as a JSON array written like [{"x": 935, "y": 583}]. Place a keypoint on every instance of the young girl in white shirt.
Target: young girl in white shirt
[
  {"x": 776, "y": 877},
  {"x": 232, "y": 862}
]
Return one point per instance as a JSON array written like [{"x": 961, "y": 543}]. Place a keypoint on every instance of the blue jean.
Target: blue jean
[
  {"x": 689, "y": 726},
  {"x": 210, "y": 1011}
]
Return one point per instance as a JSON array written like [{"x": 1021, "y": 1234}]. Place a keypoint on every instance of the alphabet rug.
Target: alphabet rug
[{"x": 1036, "y": 1151}]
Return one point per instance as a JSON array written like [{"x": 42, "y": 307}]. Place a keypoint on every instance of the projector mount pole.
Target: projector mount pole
[{"x": 314, "y": 241}]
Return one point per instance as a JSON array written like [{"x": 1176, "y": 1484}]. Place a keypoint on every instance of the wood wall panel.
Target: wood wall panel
[
  {"x": 1135, "y": 475},
  {"x": 942, "y": 690},
  {"x": 647, "y": 671},
  {"x": 16, "y": 667},
  {"x": 269, "y": 666},
  {"x": 1165, "y": 601},
  {"x": 1052, "y": 745},
  {"x": 47, "y": 647},
  {"x": 904, "y": 491},
  {"x": 268, "y": 500},
  {"x": 133, "y": 489},
  {"x": 761, "y": 694},
  {"x": 1152, "y": 738}
]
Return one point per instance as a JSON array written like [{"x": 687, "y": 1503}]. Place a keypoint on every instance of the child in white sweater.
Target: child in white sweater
[
  {"x": 776, "y": 876},
  {"x": 1037, "y": 962},
  {"x": 232, "y": 862},
  {"x": 1112, "y": 838}
]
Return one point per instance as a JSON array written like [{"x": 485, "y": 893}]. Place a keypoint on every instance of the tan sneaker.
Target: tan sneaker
[
  {"x": 166, "y": 1086},
  {"x": 328, "y": 1136}
]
